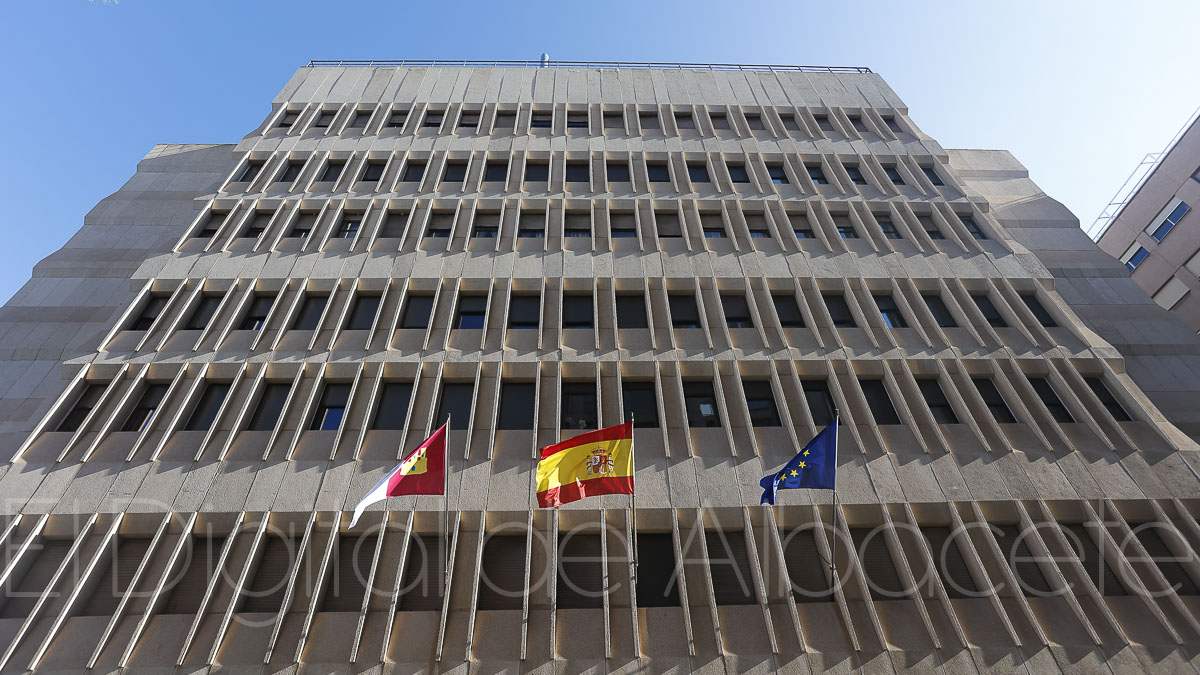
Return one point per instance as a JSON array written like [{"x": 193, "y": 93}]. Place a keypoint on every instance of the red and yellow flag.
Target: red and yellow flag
[{"x": 596, "y": 463}]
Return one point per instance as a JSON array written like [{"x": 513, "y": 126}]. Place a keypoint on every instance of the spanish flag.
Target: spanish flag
[{"x": 596, "y": 463}]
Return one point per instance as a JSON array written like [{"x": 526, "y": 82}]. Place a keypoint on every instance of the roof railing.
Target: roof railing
[{"x": 626, "y": 65}]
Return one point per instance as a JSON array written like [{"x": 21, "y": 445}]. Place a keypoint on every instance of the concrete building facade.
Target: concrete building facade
[{"x": 198, "y": 387}]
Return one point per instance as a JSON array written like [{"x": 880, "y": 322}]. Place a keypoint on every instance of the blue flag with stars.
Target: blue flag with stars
[{"x": 815, "y": 467}]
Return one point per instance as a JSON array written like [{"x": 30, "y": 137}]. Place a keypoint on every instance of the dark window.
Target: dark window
[
  {"x": 333, "y": 171},
  {"x": 993, "y": 400},
  {"x": 891, "y": 123},
  {"x": 1080, "y": 539},
  {"x": 203, "y": 313},
  {"x": 624, "y": 232},
  {"x": 397, "y": 119},
  {"x": 737, "y": 173},
  {"x": 879, "y": 402},
  {"x": 623, "y": 224},
  {"x": 393, "y": 406},
  {"x": 251, "y": 171},
  {"x": 614, "y": 120},
  {"x": 413, "y": 172},
  {"x": 1137, "y": 258},
  {"x": 648, "y": 121},
  {"x": 150, "y": 312},
  {"x": 331, "y": 408},
  {"x": 839, "y": 311},
  {"x": 683, "y": 310},
  {"x": 580, "y": 583},
  {"x": 893, "y": 174},
  {"x": 631, "y": 311},
  {"x": 577, "y": 120},
  {"x": 698, "y": 173},
  {"x": 471, "y": 312},
  {"x": 788, "y": 310},
  {"x": 258, "y": 224},
  {"x": 360, "y": 119},
  {"x": 487, "y": 225},
  {"x": 531, "y": 225},
  {"x": 712, "y": 225},
  {"x": 291, "y": 171},
  {"x": 777, "y": 174},
  {"x": 289, "y": 118},
  {"x": 347, "y": 584},
  {"x": 186, "y": 594},
  {"x": 889, "y": 229},
  {"x": 855, "y": 174},
  {"x": 719, "y": 120},
  {"x": 667, "y": 224},
  {"x": 949, "y": 561},
  {"x": 845, "y": 227},
  {"x": 502, "y": 573},
  {"x": 541, "y": 120},
  {"x": 524, "y": 311},
  {"x": 579, "y": 405},
  {"x": 972, "y": 227},
  {"x": 936, "y": 399},
  {"x": 990, "y": 313},
  {"x": 537, "y": 172},
  {"x": 658, "y": 172},
  {"x": 468, "y": 120},
  {"x": 761, "y": 402},
  {"x": 1013, "y": 541},
  {"x": 684, "y": 121},
  {"x": 656, "y": 577},
  {"x": 939, "y": 310},
  {"x": 456, "y": 401},
  {"x": 1162, "y": 555},
  {"x": 373, "y": 172},
  {"x": 424, "y": 574},
  {"x": 641, "y": 404},
  {"x": 324, "y": 119},
  {"x": 363, "y": 314},
  {"x": 730, "y": 568},
  {"x": 205, "y": 412},
  {"x": 816, "y": 174},
  {"x": 577, "y": 172},
  {"x": 348, "y": 227},
  {"x": 804, "y": 233},
  {"x": 819, "y": 400},
  {"x": 930, "y": 228},
  {"x": 754, "y": 121},
  {"x": 617, "y": 172},
  {"x": 701, "y": 404},
  {"x": 304, "y": 225},
  {"x": 878, "y": 569},
  {"x": 82, "y": 408},
  {"x": 757, "y": 225},
  {"x": 806, "y": 567},
  {"x": 393, "y": 224},
  {"x": 1170, "y": 221},
  {"x": 789, "y": 122},
  {"x": 506, "y": 120},
  {"x": 416, "y": 311},
  {"x": 118, "y": 577},
  {"x": 823, "y": 122},
  {"x": 1038, "y": 310},
  {"x": 932, "y": 176},
  {"x": 456, "y": 172},
  {"x": 264, "y": 593},
  {"x": 1107, "y": 399},
  {"x": 890, "y": 311},
  {"x": 147, "y": 405},
  {"x": 270, "y": 407},
  {"x": 51, "y": 554},
  {"x": 433, "y": 119},
  {"x": 1050, "y": 399},
  {"x": 495, "y": 172},
  {"x": 310, "y": 312},
  {"x": 440, "y": 225},
  {"x": 577, "y": 224},
  {"x": 737, "y": 311},
  {"x": 857, "y": 123},
  {"x": 577, "y": 311},
  {"x": 516, "y": 405}
]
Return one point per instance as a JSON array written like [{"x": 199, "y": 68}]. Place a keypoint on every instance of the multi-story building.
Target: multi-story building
[
  {"x": 1156, "y": 203},
  {"x": 238, "y": 343}
]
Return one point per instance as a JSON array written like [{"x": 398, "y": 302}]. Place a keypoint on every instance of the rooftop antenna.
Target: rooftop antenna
[{"x": 545, "y": 59}]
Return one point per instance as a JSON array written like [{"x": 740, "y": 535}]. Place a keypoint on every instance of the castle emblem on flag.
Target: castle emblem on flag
[{"x": 600, "y": 463}]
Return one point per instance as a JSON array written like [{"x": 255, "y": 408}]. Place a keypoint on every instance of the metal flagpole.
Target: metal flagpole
[
  {"x": 446, "y": 496},
  {"x": 837, "y": 420},
  {"x": 633, "y": 497}
]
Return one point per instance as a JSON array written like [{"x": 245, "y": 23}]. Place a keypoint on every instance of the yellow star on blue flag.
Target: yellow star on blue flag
[{"x": 814, "y": 467}]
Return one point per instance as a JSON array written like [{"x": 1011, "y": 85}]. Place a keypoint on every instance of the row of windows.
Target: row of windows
[{"x": 608, "y": 120}]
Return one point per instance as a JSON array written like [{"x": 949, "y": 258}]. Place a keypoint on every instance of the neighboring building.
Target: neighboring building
[
  {"x": 197, "y": 388},
  {"x": 1153, "y": 231}
]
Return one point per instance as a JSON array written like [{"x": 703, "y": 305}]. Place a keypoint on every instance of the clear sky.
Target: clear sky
[{"x": 1078, "y": 91}]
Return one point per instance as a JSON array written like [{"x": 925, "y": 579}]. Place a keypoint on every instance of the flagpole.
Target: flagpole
[
  {"x": 446, "y": 497},
  {"x": 837, "y": 420},
  {"x": 633, "y": 497}
]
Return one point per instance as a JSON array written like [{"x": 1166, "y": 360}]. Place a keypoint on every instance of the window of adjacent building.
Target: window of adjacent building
[
  {"x": 989, "y": 311},
  {"x": 788, "y": 310},
  {"x": 456, "y": 401},
  {"x": 537, "y": 172},
  {"x": 879, "y": 402},
  {"x": 641, "y": 403},
  {"x": 618, "y": 172},
  {"x": 205, "y": 412},
  {"x": 1035, "y": 306},
  {"x": 251, "y": 171},
  {"x": 417, "y": 310},
  {"x": 154, "y": 306},
  {"x": 289, "y": 118},
  {"x": 890, "y": 311},
  {"x": 143, "y": 411},
  {"x": 973, "y": 227},
  {"x": 789, "y": 122},
  {"x": 754, "y": 121},
  {"x": 684, "y": 313},
  {"x": 397, "y": 119},
  {"x": 577, "y": 120},
  {"x": 310, "y": 312},
  {"x": 524, "y": 311},
  {"x": 658, "y": 172},
  {"x": 684, "y": 121},
  {"x": 82, "y": 408},
  {"x": 304, "y": 225},
  {"x": 698, "y": 173},
  {"x": 393, "y": 406},
  {"x": 857, "y": 122},
  {"x": 855, "y": 174},
  {"x": 777, "y": 174},
  {"x": 541, "y": 120},
  {"x": 468, "y": 120},
  {"x": 656, "y": 577},
  {"x": 816, "y": 174},
  {"x": 994, "y": 401},
  {"x": 577, "y": 172},
  {"x": 579, "y": 405},
  {"x": 1170, "y": 293},
  {"x": 265, "y": 591},
  {"x": 936, "y": 399},
  {"x": 823, "y": 122},
  {"x": 1109, "y": 401},
  {"x": 331, "y": 407},
  {"x": 433, "y": 119},
  {"x": 270, "y": 407},
  {"x": 531, "y": 225},
  {"x": 324, "y": 119},
  {"x": 930, "y": 227},
  {"x": 613, "y": 120},
  {"x": 756, "y": 223},
  {"x": 939, "y": 310},
  {"x": 719, "y": 120},
  {"x": 1134, "y": 256},
  {"x": 1050, "y": 399},
  {"x": 819, "y": 400},
  {"x": 471, "y": 312},
  {"x": 347, "y": 583},
  {"x": 577, "y": 311},
  {"x": 844, "y": 227},
  {"x": 348, "y": 226},
  {"x": 893, "y": 174},
  {"x": 516, "y": 406},
  {"x": 737, "y": 311},
  {"x": 440, "y": 225},
  {"x": 333, "y": 171},
  {"x": 738, "y": 173},
  {"x": 701, "y": 404},
  {"x": 648, "y": 120},
  {"x": 932, "y": 175},
  {"x": 760, "y": 400},
  {"x": 631, "y": 311},
  {"x": 892, "y": 124},
  {"x": 362, "y": 315},
  {"x": 839, "y": 310},
  {"x": 455, "y": 172},
  {"x": 1164, "y": 226},
  {"x": 502, "y": 573},
  {"x": 729, "y": 568},
  {"x": 413, "y": 172},
  {"x": 506, "y": 120},
  {"x": 291, "y": 171},
  {"x": 495, "y": 172},
  {"x": 203, "y": 313}
]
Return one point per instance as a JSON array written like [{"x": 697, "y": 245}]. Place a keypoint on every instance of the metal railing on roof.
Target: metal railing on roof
[{"x": 627, "y": 65}]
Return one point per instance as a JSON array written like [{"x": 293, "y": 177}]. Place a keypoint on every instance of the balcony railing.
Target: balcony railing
[{"x": 625, "y": 65}]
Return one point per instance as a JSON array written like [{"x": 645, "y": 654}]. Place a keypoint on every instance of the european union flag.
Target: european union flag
[{"x": 815, "y": 467}]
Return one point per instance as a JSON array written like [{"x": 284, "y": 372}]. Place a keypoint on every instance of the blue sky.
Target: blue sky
[{"x": 1079, "y": 92}]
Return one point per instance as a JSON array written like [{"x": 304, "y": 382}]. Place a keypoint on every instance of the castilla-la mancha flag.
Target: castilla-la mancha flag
[
  {"x": 596, "y": 463},
  {"x": 422, "y": 472}
]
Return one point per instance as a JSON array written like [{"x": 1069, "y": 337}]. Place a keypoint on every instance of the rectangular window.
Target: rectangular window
[
  {"x": 737, "y": 311},
  {"x": 1050, "y": 399},
  {"x": 310, "y": 312},
  {"x": 577, "y": 120},
  {"x": 577, "y": 172},
  {"x": 879, "y": 402},
  {"x": 331, "y": 408},
  {"x": 667, "y": 224},
  {"x": 289, "y": 118},
  {"x": 729, "y": 568},
  {"x": 754, "y": 121},
  {"x": 373, "y": 173},
  {"x": 816, "y": 174},
  {"x": 433, "y": 119},
  {"x": 1043, "y": 317},
  {"x": 348, "y": 227},
  {"x": 579, "y": 405},
  {"x": 890, "y": 311},
  {"x": 936, "y": 399},
  {"x": 471, "y": 312},
  {"x": 823, "y": 122},
  {"x": 623, "y": 224},
  {"x": 304, "y": 225},
  {"x": 737, "y": 173},
  {"x": 256, "y": 315},
  {"x": 203, "y": 313},
  {"x": 506, "y": 120},
  {"x": 541, "y": 120},
  {"x": 658, "y": 172},
  {"x": 468, "y": 120},
  {"x": 360, "y": 119},
  {"x": 205, "y": 412},
  {"x": 82, "y": 408},
  {"x": 839, "y": 310},
  {"x": 631, "y": 311},
  {"x": 1168, "y": 223},
  {"x": 258, "y": 224},
  {"x": 324, "y": 119},
  {"x": 537, "y": 172},
  {"x": 618, "y": 172},
  {"x": 788, "y": 310},
  {"x": 994, "y": 401},
  {"x": 149, "y": 402},
  {"x": 413, "y": 172},
  {"x": 892, "y": 124},
  {"x": 756, "y": 223},
  {"x": 893, "y": 174},
  {"x": 333, "y": 171},
  {"x": 524, "y": 311},
  {"x": 857, "y": 122},
  {"x": 250, "y": 172},
  {"x": 939, "y": 310},
  {"x": 115, "y": 581},
  {"x": 683, "y": 310},
  {"x": 1134, "y": 257},
  {"x": 487, "y": 225},
  {"x": 531, "y": 225},
  {"x": 761, "y": 402},
  {"x": 648, "y": 120},
  {"x": 819, "y": 400},
  {"x": 154, "y": 306},
  {"x": 364, "y": 311},
  {"x": 417, "y": 310},
  {"x": 348, "y": 573},
  {"x": 393, "y": 406},
  {"x": 888, "y": 227},
  {"x": 973, "y": 227},
  {"x": 641, "y": 404},
  {"x": 455, "y": 172},
  {"x": 269, "y": 410},
  {"x": 989, "y": 311},
  {"x": 291, "y": 171},
  {"x": 495, "y": 172},
  {"x": 516, "y": 405},
  {"x": 1109, "y": 401},
  {"x": 844, "y": 227},
  {"x": 684, "y": 121},
  {"x": 580, "y": 583},
  {"x": 930, "y": 228},
  {"x": 698, "y": 173},
  {"x": 397, "y": 119},
  {"x": 455, "y": 402},
  {"x": 613, "y": 120},
  {"x": 855, "y": 174},
  {"x": 719, "y": 120},
  {"x": 577, "y": 311},
  {"x": 777, "y": 174},
  {"x": 701, "y": 404},
  {"x": 440, "y": 225},
  {"x": 789, "y": 122},
  {"x": 804, "y": 233},
  {"x": 932, "y": 175}
]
